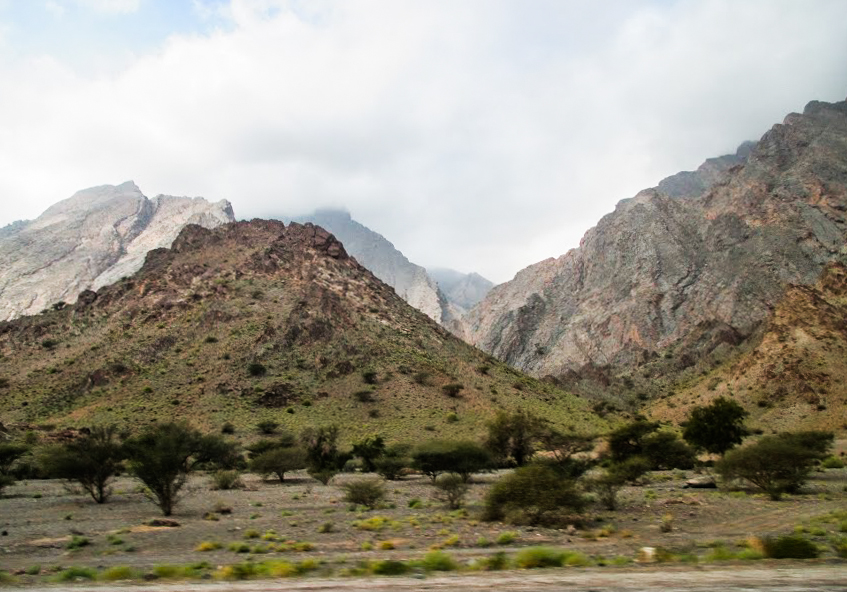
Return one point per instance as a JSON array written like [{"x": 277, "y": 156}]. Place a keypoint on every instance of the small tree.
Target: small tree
[
  {"x": 608, "y": 483},
  {"x": 278, "y": 461},
  {"x": 163, "y": 456},
  {"x": 665, "y": 450},
  {"x": 452, "y": 490},
  {"x": 393, "y": 462},
  {"x": 443, "y": 456},
  {"x": 534, "y": 494},
  {"x": 92, "y": 460},
  {"x": 369, "y": 449},
  {"x": 717, "y": 427},
  {"x": 284, "y": 440},
  {"x": 9, "y": 455},
  {"x": 323, "y": 458},
  {"x": 775, "y": 464},
  {"x": 512, "y": 436},
  {"x": 267, "y": 427},
  {"x": 628, "y": 440},
  {"x": 567, "y": 452}
]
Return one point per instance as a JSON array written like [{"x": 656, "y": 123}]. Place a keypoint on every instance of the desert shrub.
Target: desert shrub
[
  {"x": 441, "y": 456},
  {"x": 73, "y": 574},
  {"x": 453, "y": 389},
  {"x": 364, "y": 492},
  {"x": 614, "y": 477},
  {"x": 9, "y": 456},
  {"x": 421, "y": 378},
  {"x": 92, "y": 460},
  {"x": 256, "y": 369},
  {"x": 369, "y": 449},
  {"x": 717, "y": 427},
  {"x": 164, "y": 455},
  {"x": 439, "y": 561},
  {"x": 665, "y": 451},
  {"x": 507, "y": 537},
  {"x": 324, "y": 476},
  {"x": 227, "y": 479},
  {"x": 117, "y": 573},
  {"x": 535, "y": 557},
  {"x": 566, "y": 452},
  {"x": 535, "y": 494},
  {"x": 832, "y": 462},
  {"x": 370, "y": 377},
  {"x": 775, "y": 464},
  {"x": 228, "y": 428},
  {"x": 790, "y": 547},
  {"x": 267, "y": 427},
  {"x": 451, "y": 489},
  {"x": 512, "y": 436},
  {"x": 364, "y": 396},
  {"x": 497, "y": 562},
  {"x": 389, "y": 567},
  {"x": 278, "y": 461},
  {"x": 839, "y": 545}
]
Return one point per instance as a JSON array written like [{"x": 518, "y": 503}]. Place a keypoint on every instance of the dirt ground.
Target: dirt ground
[{"x": 39, "y": 519}]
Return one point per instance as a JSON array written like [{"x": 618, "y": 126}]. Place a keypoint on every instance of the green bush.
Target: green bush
[
  {"x": 118, "y": 572},
  {"x": 442, "y": 456},
  {"x": 439, "y": 561},
  {"x": 512, "y": 436},
  {"x": 717, "y": 427},
  {"x": 535, "y": 494},
  {"x": 73, "y": 574},
  {"x": 832, "y": 462},
  {"x": 535, "y": 557},
  {"x": 389, "y": 567},
  {"x": 453, "y": 389},
  {"x": 790, "y": 547},
  {"x": 369, "y": 449},
  {"x": 9, "y": 455},
  {"x": 364, "y": 492},
  {"x": 256, "y": 369},
  {"x": 267, "y": 427}
]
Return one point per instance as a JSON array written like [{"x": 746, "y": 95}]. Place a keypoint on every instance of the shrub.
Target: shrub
[
  {"x": 364, "y": 396},
  {"x": 163, "y": 456},
  {"x": 717, "y": 427},
  {"x": 775, "y": 464},
  {"x": 391, "y": 465},
  {"x": 227, "y": 479},
  {"x": 364, "y": 492},
  {"x": 322, "y": 453},
  {"x": 228, "y": 428},
  {"x": 665, "y": 450},
  {"x": 535, "y": 494},
  {"x": 535, "y": 557},
  {"x": 73, "y": 574},
  {"x": 832, "y": 462},
  {"x": 117, "y": 573},
  {"x": 77, "y": 542},
  {"x": 439, "y": 561},
  {"x": 790, "y": 547},
  {"x": 323, "y": 477},
  {"x": 452, "y": 490},
  {"x": 256, "y": 369},
  {"x": 208, "y": 546},
  {"x": 370, "y": 377},
  {"x": 507, "y": 537},
  {"x": 267, "y": 427},
  {"x": 453, "y": 389},
  {"x": 279, "y": 461},
  {"x": 389, "y": 567}
]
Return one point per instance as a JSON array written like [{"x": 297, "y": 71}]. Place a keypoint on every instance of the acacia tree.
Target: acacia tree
[
  {"x": 513, "y": 436},
  {"x": 717, "y": 427},
  {"x": 92, "y": 460},
  {"x": 9, "y": 454},
  {"x": 163, "y": 456}
]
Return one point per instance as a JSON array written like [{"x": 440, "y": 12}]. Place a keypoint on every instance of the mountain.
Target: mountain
[
  {"x": 255, "y": 321},
  {"x": 411, "y": 282},
  {"x": 793, "y": 375},
  {"x": 463, "y": 290},
  {"x": 680, "y": 276},
  {"x": 89, "y": 240}
]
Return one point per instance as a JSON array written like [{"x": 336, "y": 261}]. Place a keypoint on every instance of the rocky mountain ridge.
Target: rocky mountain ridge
[
  {"x": 680, "y": 269},
  {"x": 463, "y": 290},
  {"x": 90, "y": 240},
  {"x": 255, "y": 321}
]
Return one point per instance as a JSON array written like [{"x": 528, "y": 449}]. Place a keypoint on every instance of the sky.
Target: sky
[{"x": 479, "y": 135}]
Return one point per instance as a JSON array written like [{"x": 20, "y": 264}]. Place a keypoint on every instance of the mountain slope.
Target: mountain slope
[
  {"x": 252, "y": 321},
  {"x": 90, "y": 240},
  {"x": 793, "y": 376},
  {"x": 411, "y": 282},
  {"x": 681, "y": 276}
]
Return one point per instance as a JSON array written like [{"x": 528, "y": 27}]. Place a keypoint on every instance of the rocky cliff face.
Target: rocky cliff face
[
  {"x": 90, "y": 240},
  {"x": 411, "y": 282},
  {"x": 684, "y": 267}
]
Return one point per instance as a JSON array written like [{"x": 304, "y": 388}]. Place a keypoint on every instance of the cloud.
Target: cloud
[
  {"x": 477, "y": 135},
  {"x": 111, "y": 6}
]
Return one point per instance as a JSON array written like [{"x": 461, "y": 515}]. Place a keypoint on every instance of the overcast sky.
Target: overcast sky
[{"x": 479, "y": 135}]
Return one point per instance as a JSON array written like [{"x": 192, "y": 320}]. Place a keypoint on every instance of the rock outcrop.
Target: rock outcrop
[
  {"x": 90, "y": 240},
  {"x": 682, "y": 268},
  {"x": 373, "y": 251}
]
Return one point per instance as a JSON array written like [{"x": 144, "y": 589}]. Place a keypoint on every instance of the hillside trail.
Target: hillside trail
[{"x": 818, "y": 578}]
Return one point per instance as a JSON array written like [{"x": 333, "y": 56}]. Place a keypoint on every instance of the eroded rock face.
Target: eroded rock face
[
  {"x": 666, "y": 265},
  {"x": 90, "y": 240}
]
